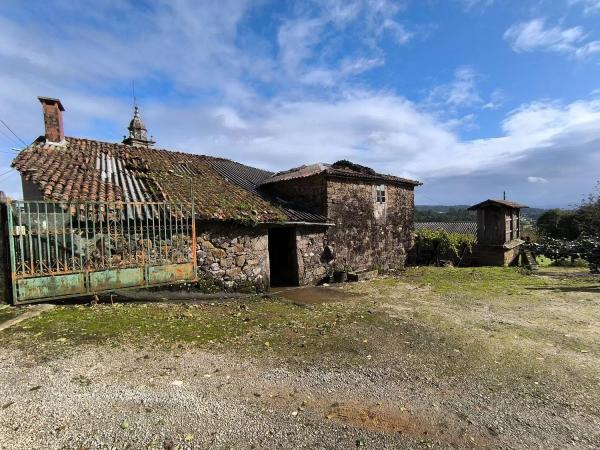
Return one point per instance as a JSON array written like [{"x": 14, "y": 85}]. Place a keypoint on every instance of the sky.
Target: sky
[{"x": 471, "y": 97}]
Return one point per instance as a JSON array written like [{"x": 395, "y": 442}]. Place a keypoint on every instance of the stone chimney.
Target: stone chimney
[{"x": 53, "y": 119}]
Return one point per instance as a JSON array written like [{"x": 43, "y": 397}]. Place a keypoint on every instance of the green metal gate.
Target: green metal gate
[{"x": 61, "y": 250}]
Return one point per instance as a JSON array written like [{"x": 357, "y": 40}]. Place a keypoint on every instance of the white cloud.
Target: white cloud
[
  {"x": 305, "y": 40},
  {"x": 535, "y": 36},
  {"x": 588, "y": 49},
  {"x": 296, "y": 39},
  {"x": 496, "y": 100},
  {"x": 399, "y": 31},
  {"x": 589, "y": 6},
  {"x": 537, "y": 180},
  {"x": 461, "y": 92},
  {"x": 387, "y": 132},
  {"x": 473, "y": 4},
  {"x": 312, "y": 111}
]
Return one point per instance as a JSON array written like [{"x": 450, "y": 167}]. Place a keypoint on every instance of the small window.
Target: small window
[{"x": 380, "y": 194}]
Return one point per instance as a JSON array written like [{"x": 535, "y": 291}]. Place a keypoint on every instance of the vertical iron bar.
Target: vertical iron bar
[
  {"x": 107, "y": 248},
  {"x": 159, "y": 231},
  {"x": 194, "y": 242},
  {"x": 120, "y": 220},
  {"x": 176, "y": 233},
  {"x": 165, "y": 231},
  {"x": 48, "y": 253},
  {"x": 135, "y": 235},
  {"x": 169, "y": 230},
  {"x": 39, "y": 237},
  {"x": 71, "y": 232},
  {"x": 159, "y": 228},
  {"x": 87, "y": 233},
  {"x": 21, "y": 228},
  {"x": 154, "y": 214},
  {"x": 30, "y": 238},
  {"x": 87, "y": 205},
  {"x": 129, "y": 248},
  {"x": 13, "y": 270},
  {"x": 64, "y": 235},
  {"x": 55, "y": 239}
]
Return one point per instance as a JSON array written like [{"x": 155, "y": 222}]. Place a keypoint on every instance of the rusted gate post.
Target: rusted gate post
[{"x": 5, "y": 267}]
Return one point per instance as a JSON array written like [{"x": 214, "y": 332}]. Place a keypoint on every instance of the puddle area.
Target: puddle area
[{"x": 313, "y": 295}]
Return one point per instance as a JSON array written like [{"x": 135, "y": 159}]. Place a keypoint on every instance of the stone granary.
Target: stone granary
[
  {"x": 498, "y": 233},
  {"x": 254, "y": 227}
]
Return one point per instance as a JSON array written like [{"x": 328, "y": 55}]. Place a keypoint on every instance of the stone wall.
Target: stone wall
[
  {"x": 366, "y": 235},
  {"x": 313, "y": 261},
  {"x": 233, "y": 257},
  {"x": 489, "y": 255},
  {"x": 309, "y": 192}
]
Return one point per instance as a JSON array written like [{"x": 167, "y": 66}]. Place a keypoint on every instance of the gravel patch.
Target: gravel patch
[{"x": 105, "y": 398}]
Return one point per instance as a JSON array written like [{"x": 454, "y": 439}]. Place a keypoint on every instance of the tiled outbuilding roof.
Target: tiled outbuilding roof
[
  {"x": 251, "y": 178},
  {"x": 340, "y": 169},
  {"x": 497, "y": 203},
  {"x": 83, "y": 169},
  {"x": 449, "y": 227}
]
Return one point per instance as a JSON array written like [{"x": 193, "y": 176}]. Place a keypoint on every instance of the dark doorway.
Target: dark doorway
[{"x": 282, "y": 256}]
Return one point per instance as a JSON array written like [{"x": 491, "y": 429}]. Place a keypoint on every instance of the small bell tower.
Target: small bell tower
[{"x": 138, "y": 134}]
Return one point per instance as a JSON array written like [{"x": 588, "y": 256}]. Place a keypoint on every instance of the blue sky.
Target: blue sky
[{"x": 472, "y": 97}]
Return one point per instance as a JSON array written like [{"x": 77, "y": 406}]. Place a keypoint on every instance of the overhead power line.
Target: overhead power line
[
  {"x": 13, "y": 133},
  {"x": 8, "y": 137},
  {"x": 7, "y": 172}
]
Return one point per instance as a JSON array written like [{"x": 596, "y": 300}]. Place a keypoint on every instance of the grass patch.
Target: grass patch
[
  {"x": 256, "y": 327},
  {"x": 480, "y": 282},
  {"x": 506, "y": 329}
]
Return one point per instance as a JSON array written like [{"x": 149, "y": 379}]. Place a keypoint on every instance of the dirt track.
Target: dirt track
[{"x": 407, "y": 364}]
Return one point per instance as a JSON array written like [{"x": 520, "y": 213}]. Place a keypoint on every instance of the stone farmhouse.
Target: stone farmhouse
[{"x": 254, "y": 227}]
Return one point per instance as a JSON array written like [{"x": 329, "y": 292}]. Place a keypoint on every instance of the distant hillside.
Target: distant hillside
[
  {"x": 459, "y": 213},
  {"x": 443, "y": 213}
]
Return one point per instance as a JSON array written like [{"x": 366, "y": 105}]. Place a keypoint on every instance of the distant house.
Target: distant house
[{"x": 254, "y": 227}]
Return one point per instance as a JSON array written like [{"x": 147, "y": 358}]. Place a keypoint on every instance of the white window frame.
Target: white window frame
[{"x": 380, "y": 194}]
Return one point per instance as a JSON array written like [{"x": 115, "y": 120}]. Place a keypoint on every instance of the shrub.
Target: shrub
[
  {"x": 441, "y": 244},
  {"x": 559, "y": 250}
]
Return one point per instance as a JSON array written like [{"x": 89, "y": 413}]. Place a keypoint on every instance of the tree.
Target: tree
[
  {"x": 588, "y": 214},
  {"x": 559, "y": 224},
  {"x": 572, "y": 234}
]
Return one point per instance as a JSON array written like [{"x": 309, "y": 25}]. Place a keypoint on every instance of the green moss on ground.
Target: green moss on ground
[
  {"x": 481, "y": 282},
  {"x": 8, "y": 312},
  {"x": 255, "y": 327}
]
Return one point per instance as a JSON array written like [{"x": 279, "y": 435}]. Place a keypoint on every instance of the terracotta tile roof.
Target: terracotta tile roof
[
  {"x": 497, "y": 203},
  {"x": 340, "y": 169},
  {"x": 83, "y": 169}
]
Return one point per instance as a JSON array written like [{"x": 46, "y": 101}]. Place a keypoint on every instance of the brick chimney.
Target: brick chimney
[{"x": 53, "y": 119}]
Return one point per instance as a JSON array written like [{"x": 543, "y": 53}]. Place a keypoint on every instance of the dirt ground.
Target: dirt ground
[{"x": 433, "y": 358}]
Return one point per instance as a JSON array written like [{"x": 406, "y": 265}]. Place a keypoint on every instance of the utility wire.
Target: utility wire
[
  {"x": 13, "y": 133},
  {"x": 9, "y": 137},
  {"x": 7, "y": 172}
]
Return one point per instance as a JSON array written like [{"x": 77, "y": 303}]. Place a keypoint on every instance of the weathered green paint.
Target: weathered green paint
[
  {"x": 47, "y": 287},
  {"x": 84, "y": 248},
  {"x": 116, "y": 279},
  {"x": 169, "y": 273}
]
